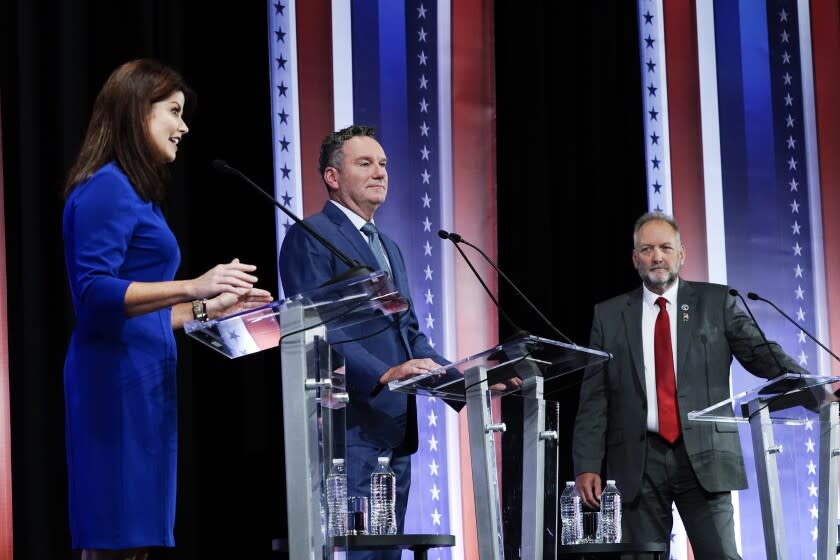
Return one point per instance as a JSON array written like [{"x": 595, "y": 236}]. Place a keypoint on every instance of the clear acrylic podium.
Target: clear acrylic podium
[
  {"x": 515, "y": 369},
  {"x": 779, "y": 402},
  {"x": 314, "y": 393}
]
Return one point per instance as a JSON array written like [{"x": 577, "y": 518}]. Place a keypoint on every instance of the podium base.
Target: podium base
[{"x": 419, "y": 544}]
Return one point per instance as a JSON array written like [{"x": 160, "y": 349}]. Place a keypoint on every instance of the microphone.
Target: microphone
[
  {"x": 356, "y": 268},
  {"x": 456, "y": 239},
  {"x": 453, "y": 236},
  {"x": 754, "y": 296},
  {"x": 519, "y": 331},
  {"x": 736, "y": 293},
  {"x": 786, "y": 397}
]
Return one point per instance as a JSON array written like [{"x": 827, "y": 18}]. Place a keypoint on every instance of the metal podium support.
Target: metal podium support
[
  {"x": 534, "y": 437},
  {"x": 829, "y": 450},
  {"x": 767, "y": 472},
  {"x": 300, "y": 435},
  {"x": 488, "y": 517}
]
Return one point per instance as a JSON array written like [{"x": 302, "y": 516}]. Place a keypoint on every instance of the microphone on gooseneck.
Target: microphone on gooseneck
[
  {"x": 519, "y": 331},
  {"x": 356, "y": 268},
  {"x": 456, "y": 239},
  {"x": 754, "y": 296},
  {"x": 782, "y": 399},
  {"x": 736, "y": 293}
]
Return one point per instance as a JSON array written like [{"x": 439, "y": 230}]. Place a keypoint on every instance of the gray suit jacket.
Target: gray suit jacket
[{"x": 612, "y": 415}]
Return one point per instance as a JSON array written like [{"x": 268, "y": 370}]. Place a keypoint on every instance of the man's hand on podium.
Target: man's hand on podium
[
  {"x": 409, "y": 369},
  {"x": 506, "y": 385}
]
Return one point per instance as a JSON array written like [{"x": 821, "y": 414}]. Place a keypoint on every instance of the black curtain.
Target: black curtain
[
  {"x": 55, "y": 56},
  {"x": 570, "y": 184}
]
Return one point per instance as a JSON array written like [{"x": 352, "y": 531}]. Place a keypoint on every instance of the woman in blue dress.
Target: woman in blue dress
[{"x": 121, "y": 257}]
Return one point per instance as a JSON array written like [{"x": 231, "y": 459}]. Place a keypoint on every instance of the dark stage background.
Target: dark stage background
[{"x": 570, "y": 166}]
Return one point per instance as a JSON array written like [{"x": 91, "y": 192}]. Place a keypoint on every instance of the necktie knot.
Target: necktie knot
[
  {"x": 662, "y": 303},
  {"x": 369, "y": 229},
  {"x": 375, "y": 244}
]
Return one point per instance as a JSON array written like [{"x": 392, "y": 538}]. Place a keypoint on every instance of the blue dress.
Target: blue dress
[{"x": 119, "y": 374}]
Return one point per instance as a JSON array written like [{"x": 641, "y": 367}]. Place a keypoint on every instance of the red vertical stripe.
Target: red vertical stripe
[
  {"x": 315, "y": 94},
  {"x": 684, "y": 126},
  {"x": 474, "y": 165},
  {"x": 825, "y": 41},
  {"x": 685, "y": 140},
  {"x": 5, "y": 430},
  {"x": 474, "y": 199}
]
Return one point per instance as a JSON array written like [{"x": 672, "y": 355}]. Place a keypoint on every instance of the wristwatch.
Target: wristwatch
[{"x": 199, "y": 307}]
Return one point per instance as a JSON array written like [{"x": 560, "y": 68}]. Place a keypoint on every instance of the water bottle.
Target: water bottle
[
  {"x": 337, "y": 499},
  {"x": 383, "y": 494},
  {"x": 571, "y": 515},
  {"x": 610, "y": 514}
]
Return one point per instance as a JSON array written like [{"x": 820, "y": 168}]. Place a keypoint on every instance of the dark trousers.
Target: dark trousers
[
  {"x": 669, "y": 479},
  {"x": 361, "y": 461}
]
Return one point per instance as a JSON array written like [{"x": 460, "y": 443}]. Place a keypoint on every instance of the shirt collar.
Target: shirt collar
[
  {"x": 670, "y": 294},
  {"x": 357, "y": 220}
]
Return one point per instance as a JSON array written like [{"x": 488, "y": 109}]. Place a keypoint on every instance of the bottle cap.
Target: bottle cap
[
  {"x": 383, "y": 460},
  {"x": 338, "y": 461},
  {"x": 611, "y": 482},
  {"x": 570, "y": 483}
]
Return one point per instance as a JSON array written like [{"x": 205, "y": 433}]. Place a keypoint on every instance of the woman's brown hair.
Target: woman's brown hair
[{"x": 118, "y": 128}]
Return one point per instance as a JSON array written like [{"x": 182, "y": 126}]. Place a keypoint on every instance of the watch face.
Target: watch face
[{"x": 198, "y": 309}]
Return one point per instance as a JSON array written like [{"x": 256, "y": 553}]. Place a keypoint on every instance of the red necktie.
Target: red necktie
[{"x": 666, "y": 382}]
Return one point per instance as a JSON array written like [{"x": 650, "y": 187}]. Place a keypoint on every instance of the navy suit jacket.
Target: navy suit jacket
[
  {"x": 612, "y": 413},
  {"x": 378, "y": 418}
]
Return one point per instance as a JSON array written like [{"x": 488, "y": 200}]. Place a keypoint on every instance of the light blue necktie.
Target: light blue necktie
[{"x": 376, "y": 246}]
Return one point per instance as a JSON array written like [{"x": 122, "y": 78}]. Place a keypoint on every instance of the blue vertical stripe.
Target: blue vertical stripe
[
  {"x": 761, "y": 153},
  {"x": 395, "y": 112},
  {"x": 366, "y": 76},
  {"x": 395, "y": 90},
  {"x": 731, "y": 113}
]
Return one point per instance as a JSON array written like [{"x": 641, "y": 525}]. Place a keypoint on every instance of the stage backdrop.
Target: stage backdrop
[
  {"x": 742, "y": 132},
  {"x": 421, "y": 73},
  {"x": 5, "y": 429}
]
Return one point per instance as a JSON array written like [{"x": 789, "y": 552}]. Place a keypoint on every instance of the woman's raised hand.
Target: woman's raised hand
[{"x": 233, "y": 278}]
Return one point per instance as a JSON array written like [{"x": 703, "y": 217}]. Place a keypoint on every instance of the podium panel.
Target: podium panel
[
  {"x": 516, "y": 369},
  {"x": 523, "y": 358},
  {"x": 778, "y": 410},
  {"x": 336, "y": 306},
  {"x": 314, "y": 389}
]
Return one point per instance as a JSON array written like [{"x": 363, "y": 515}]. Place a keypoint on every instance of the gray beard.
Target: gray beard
[{"x": 657, "y": 285}]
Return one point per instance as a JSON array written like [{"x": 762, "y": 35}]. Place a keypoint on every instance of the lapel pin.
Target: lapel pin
[{"x": 685, "y": 317}]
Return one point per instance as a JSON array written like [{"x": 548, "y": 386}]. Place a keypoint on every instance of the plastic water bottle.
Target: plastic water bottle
[
  {"x": 383, "y": 494},
  {"x": 571, "y": 515},
  {"x": 337, "y": 499},
  {"x": 611, "y": 514}
]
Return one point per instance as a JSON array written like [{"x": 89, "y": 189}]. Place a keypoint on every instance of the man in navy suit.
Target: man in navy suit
[{"x": 380, "y": 423}]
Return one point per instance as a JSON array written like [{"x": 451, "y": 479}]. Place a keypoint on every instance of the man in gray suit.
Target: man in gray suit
[{"x": 672, "y": 343}]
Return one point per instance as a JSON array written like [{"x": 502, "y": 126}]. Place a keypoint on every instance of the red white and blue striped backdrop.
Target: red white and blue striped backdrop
[
  {"x": 392, "y": 65},
  {"x": 741, "y": 136}
]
